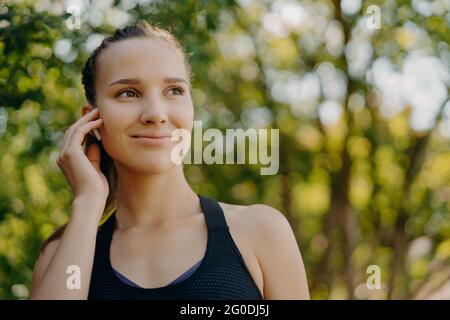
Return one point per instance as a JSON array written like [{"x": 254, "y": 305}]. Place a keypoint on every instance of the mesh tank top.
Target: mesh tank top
[{"x": 222, "y": 273}]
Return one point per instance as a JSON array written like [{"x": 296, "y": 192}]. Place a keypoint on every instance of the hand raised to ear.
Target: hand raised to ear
[{"x": 83, "y": 170}]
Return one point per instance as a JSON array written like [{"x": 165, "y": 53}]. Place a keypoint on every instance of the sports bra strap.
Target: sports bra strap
[{"x": 213, "y": 213}]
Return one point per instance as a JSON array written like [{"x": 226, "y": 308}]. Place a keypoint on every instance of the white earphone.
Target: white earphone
[{"x": 96, "y": 134}]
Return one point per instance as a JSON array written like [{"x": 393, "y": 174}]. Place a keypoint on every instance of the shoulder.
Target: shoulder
[
  {"x": 259, "y": 220},
  {"x": 275, "y": 246},
  {"x": 264, "y": 228}
]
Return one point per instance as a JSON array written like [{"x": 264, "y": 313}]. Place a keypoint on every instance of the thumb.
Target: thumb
[{"x": 93, "y": 154}]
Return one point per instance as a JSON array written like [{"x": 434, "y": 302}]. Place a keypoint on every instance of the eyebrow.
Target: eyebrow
[{"x": 137, "y": 81}]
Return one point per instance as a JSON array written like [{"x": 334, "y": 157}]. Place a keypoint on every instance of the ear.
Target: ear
[{"x": 86, "y": 108}]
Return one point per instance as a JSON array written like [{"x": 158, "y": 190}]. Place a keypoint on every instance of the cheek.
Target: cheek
[
  {"x": 182, "y": 116},
  {"x": 115, "y": 117},
  {"x": 113, "y": 129},
  {"x": 114, "y": 123}
]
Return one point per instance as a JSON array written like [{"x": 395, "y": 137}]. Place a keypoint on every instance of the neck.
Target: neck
[{"x": 145, "y": 200}]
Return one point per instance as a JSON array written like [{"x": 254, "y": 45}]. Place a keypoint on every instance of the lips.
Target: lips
[
  {"x": 153, "y": 140},
  {"x": 151, "y": 136}
]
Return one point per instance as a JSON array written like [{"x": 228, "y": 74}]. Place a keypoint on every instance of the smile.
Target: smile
[{"x": 152, "y": 141}]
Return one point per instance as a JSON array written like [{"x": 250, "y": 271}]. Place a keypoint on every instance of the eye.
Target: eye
[
  {"x": 179, "y": 91},
  {"x": 119, "y": 94}
]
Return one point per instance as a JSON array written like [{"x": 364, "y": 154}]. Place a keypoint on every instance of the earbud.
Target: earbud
[{"x": 96, "y": 134}]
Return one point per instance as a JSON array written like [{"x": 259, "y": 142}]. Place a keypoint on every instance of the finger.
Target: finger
[
  {"x": 83, "y": 120},
  {"x": 79, "y": 133}
]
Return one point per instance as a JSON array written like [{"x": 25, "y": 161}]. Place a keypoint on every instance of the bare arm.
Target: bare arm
[
  {"x": 75, "y": 247},
  {"x": 279, "y": 256},
  {"x": 63, "y": 270}
]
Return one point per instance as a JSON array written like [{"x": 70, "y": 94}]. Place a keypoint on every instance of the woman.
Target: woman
[{"x": 162, "y": 240}]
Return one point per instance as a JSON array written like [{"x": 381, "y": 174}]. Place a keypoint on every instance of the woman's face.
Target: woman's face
[{"x": 142, "y": 89}]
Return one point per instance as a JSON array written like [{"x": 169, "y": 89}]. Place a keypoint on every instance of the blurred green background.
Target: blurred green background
[{"x": 363, "y": 114}]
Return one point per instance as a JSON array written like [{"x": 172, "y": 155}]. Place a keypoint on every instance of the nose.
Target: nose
[{"x": 154, "y": 112}]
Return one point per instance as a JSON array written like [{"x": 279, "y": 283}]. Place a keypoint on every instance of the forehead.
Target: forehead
[{"x": 144, "y": 58}]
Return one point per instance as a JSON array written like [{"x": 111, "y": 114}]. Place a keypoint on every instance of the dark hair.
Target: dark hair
[{"x": 142, "y": 29}]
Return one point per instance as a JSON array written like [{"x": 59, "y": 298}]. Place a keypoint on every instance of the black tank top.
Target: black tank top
[{"x": 222, "y": 273}]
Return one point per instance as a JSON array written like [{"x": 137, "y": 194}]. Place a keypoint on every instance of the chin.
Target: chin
[
  {"x": 144, "y": 161},
  {"x": 151, "y": 164}
]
